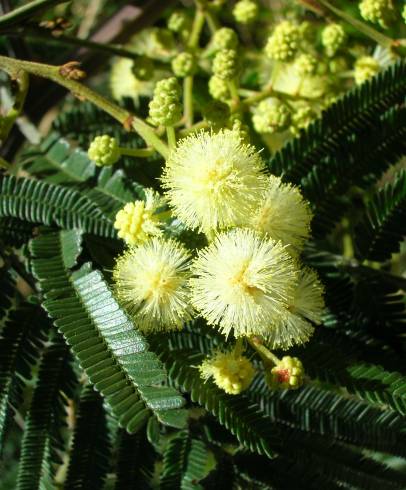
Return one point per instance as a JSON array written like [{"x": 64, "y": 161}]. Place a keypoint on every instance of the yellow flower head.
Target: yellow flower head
[
  {"x": 213, "y": 180},
  {"x": 151, "y": 283},
  {"x": 230, "y": 371},
  {"x": 283, "y": 215},
  {"x": 243, "y": 283},
  {"x": 287, "y": 374},
  {"x": 139, "y": 220},
  {"x": 307, "y": 304}
]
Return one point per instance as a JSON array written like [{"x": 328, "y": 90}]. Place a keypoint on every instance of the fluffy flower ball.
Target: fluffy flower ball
[
  {"x": 243, "y": 283},
  {"x": 151, "y": 281},
  {"x": 139, "y": 220},
  {"x": 230, "y": 371},
  {"x": 283, "y": 215},
  {"x": 305, "y": 309},
  {"x": 213, "y": 181}
]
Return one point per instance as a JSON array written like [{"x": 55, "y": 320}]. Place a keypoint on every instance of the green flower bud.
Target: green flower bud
[
  {"x": 404, "y": 13},
  {"x": 245, "y": 11},
  {"x": 165, "y": 107},
  {"x": 284, "y": 42},
  {"x": 271, "y": 115},
  {"x": 365, "y": 68},
  {"x": 332, "y": 38},
  {"x": 338, "y": 64},
  {"x": 242, "y": 130},
  {"x": 184, "y": 64},
  {"x": 218, "y": 88},
  {"x": 302, "y": 117},
  {"x": 104, "y": 150},
  {"x": 306, "y": 31},
  {"x": 143, "y": 68},
  {"x": 287, "y": 374},
  {"x": 305, "y": 64},
  {"x": 216, "y": 114},
  {"x": 377, "y": 11},
  {"x": 225, "y": 38},
  {"x": 216, "y": 4},
  {"x": 225, "y": 64},
  {"x": 178, "y": 21}
]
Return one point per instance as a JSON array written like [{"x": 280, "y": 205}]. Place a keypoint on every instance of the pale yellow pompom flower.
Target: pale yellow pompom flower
[
  {"x": 243, "y": 283},
  {"x": 151, "y": 282},
  {"x": 213, "y": 180},
  {"x": 283, "y": 215},
  {"x": 231, "y": 372},
  {"x": 139, "y": 220},
  {"x": 305, "y": 309}
]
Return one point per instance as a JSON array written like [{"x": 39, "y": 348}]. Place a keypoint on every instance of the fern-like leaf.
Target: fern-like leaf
[
  {"x": 89, "y": 456},
  {"x": 384, "y": 224},
  {"x": 51, "y": 205},
  {"x": 57, "y": 161},
  {"x": 112, "y": 352}
]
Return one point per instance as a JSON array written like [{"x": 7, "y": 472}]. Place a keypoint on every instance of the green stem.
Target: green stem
[
  {"x": 170, "y": 132},
  {"x": 239, "y": 347},
  {"x": 196, "y": 127},
  {"x": 197, "y": 27},
  {"x": 266, "y": 355},
  {"x": 137, "y": 152},
  {"x": 367, "y": 30},
  {"x": 235, "y": 98},
  {"x": 17, "y": 108},
  {"x": 212, "y": 21},
  {"x": 4, "y": 164},
  {"x": 54, "y": 73},
  {"x": 26, "y": 11},
  {"x": 188, "y": 100},
  {"x": 348, "y": 249}
]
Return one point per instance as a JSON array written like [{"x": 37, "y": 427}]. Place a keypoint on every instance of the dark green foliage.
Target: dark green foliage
[
  {"x": 56, "y": 160},
  {"x": 384, "y": 222},
  {"x": 242, "y": 418},
  {"x": 42, "y": 415},
  {"x": 85, "y": 312},
  {"x": 49, "y": 204},
  {"x": 21, "y": 341},
  {"x": 89, "y": 454},
  {"x": 353, "y": 143},
  {"x": 135, "y": 462},
  {"x": 184, "y": 463},
  {"x": 15, "y": 232}
]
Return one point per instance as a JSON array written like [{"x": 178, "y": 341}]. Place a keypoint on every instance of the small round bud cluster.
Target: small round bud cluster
[
  {"x": 225, "y": 38},
  {"x": 287, "y": 374},
  {"x": 305, "y": 64},
  {"x": 218, "y": 88},
  {"x": 165, "y": 107},
  {"x": 271, "y": 115},
  {"x": 143, "y": 68},
  {"x": 365, "y": 68},
  {"x": 332, "y": 38},
  {"x": 225, "y": 64},
  {"x": 301, "y": 118},
  {"x": 104, "y": 150},
  {"x": 178, "y": 21},
  {"x": 231, "y": 372},
  {"x": 216, "y": 114},
  {"x": 377, "y": 11},
  {"x": 245, "y": 11},
  {"x": 184, "y": 64},
  {"x": 242, "y": 130},
  {"x": 216, "y": 4},
  {"x": 284, "y": 42}
]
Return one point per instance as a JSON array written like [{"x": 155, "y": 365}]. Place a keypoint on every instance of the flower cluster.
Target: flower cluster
[
  {"x": 284, "y": 42},
  {"x": 248, "y": 280},
  {"x": 165, "y": 107}
]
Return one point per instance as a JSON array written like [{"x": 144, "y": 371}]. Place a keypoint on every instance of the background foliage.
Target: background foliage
[{"x": 87, "y": 402}]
